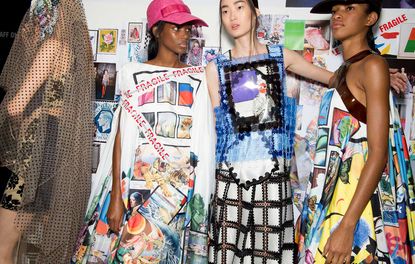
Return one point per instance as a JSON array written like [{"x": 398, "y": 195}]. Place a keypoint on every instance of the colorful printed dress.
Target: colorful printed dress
[
  {"x": 252, "y": 214},
  {"x": 166, "y": 201},
  {"x": 385, "y": 232}
]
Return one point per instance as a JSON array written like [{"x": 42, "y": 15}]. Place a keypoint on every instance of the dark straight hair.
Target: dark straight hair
[{"x": 153, "y": 45}]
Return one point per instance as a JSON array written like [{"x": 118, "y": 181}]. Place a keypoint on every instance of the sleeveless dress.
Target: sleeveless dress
[
  {"x": 385, "y": 231},
  {"x": 166, "y": 204},
  {"x": 252, "y": 213}
]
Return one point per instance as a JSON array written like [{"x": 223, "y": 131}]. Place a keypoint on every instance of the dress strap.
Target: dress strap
[{"x": 357, "y": 109}]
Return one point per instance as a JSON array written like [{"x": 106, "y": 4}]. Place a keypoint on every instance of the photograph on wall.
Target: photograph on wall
[
  {"x": 93, "y": 37},
  {"x": 107, "y": 43},
  {"x": 407, "y": 41},
  {"x": 195, "y": 52},
  {"x": 105, "y": 79},
  {"x": 317, "y": 35},
  {"x": 104, "y": 112},
  {"x": 196, "y": 32},
  {"x": 209, "y": 54},
  {"x": 271, "y": 29},
  {"x": 134, "y": 32}
]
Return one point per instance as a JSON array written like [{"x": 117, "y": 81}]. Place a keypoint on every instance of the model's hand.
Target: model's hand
[
  {"x": 398, "y": 80},
  {"x": 339, "y": 245},
  {"x": 115, "y": 212}
]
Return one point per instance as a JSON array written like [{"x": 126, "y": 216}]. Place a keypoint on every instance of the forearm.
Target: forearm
[
  {"x": 116, "y": 160},
  {"x": 368, "y": 182}
]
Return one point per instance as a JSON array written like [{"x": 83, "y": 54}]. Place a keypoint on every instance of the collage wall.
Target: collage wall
[{"x": 118, "y": 35}]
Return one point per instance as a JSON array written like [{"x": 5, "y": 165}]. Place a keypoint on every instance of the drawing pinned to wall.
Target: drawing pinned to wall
[
  {"x": 271, "y": 29},
  {"x": 108, "y": 41},
  {"x": 134, "y": 32},
  {"x": 93, "y": 37},
  {"x": 209, "y": 54},
  {"x": 104, "y": 112}
]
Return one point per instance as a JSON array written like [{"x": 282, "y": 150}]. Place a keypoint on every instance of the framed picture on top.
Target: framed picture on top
[{"x": 135, "y": 32}]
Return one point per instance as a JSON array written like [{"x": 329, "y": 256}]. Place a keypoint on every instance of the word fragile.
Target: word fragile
[{"x": 393, "y": 23}]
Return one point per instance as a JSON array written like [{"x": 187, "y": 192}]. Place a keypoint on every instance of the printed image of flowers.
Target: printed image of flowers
[{"x": 107, "y": 41}]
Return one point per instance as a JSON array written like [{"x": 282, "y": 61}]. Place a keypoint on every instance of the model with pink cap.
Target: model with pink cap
[{"x": 150, "y": 197}]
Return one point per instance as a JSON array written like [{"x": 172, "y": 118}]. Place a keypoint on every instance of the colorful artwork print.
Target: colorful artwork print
[
  {"x": 107, "y": 41},
  {"x": 246, "y": 92},
  {"x": 104, "y": 112},
  {"x": 209, "y": 54},
  {"x": 185, "y": 124},
  {"x": 166, "y": 93},
  {"x": 134, "y": 32},
  {"x": 166, "y": 124},
  {"x": 340, "y": 130},
  {"x": 325, "y": 108},
  {"x": 321, "y": 146},
  {"x": 105, "y": 81},
  {"x": 271, "y": 29},
  {"x": 146, "y": 98}
]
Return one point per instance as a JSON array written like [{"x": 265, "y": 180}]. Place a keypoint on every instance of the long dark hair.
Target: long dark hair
[
  {"x": 253, "y": 4},
  {"x": 153, "y": 45}
]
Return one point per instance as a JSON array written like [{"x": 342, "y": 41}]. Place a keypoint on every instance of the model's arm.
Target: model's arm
[
  {"x": 339, "y": 245},
  {"x": 298, "y": 65},
  {"x": 212, "y": 79},
  {"x": 116, "y": 207}
]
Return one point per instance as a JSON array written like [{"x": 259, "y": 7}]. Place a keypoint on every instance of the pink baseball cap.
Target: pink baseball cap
[{"x": 173, "y": 11}]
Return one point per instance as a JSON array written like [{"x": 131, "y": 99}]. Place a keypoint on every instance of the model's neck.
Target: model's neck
[
  {"x": 167, "y": 58},
  {"x": 247, "y": 46},
  {"x": 353, "y": 46}
]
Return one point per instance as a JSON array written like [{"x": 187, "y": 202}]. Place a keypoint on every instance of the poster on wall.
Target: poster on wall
[
  {"x": 135, "y": 32},
  {"x": 105, "y": 80},
  {"x": 271, "y": 29},
  {"x": 107, "y": 43},
  {"x": 407, "y": 41},
  {"x": 387, "y": 33},
  {"x": 93, "y": 37},
  {"x": 104, "y": 112}
]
